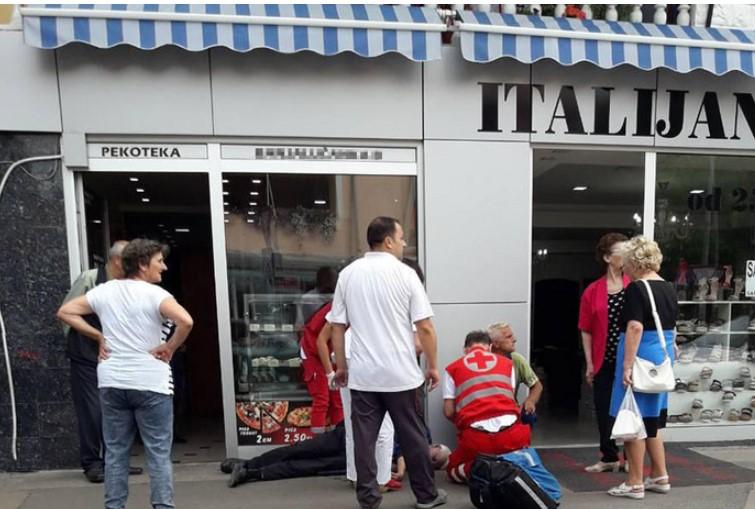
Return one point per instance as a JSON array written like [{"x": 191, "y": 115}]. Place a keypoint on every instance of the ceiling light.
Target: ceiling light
[
  {"x": 225, "y": 203},
  {"x": 256, "y": 181},
  {"x": 226, "y": 221},
  {"x": 637, "y": 218},
  {"x": 139, "y": 190},
  {"x": 253, "y": 203},
  {"x": 225, "y": 193},
  {"x": 320, "y": 202},
  {"x": 133, "y": 179},
  {"x": 226, "y": 212},
  {"x": 97, "y": 221},
  {"x": 673, "y": 219},
  {"x": 697, "y": 191},
  {"x": 225, "y": 181},
  {"x": 182, "y": 230},
  {"x": 579, "y": 188},
  {"x": 160, "y": 225},
  {"x": 251, "y": 212},
  {"x": 145, "y": 200},
  {"x": 250, "y": 220},
  {"x": 254, "y": 193}
]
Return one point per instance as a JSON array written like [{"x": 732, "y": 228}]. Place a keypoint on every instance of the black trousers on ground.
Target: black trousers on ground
[
  {"x": 367, "y": 412},
  {"x": 602, "y": 386},
  {"x": 325, "y": 454},
  {"x": 86, "y": 402}
]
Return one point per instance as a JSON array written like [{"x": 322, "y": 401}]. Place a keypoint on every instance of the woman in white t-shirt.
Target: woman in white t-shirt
[{"x": 133, "y": 374}]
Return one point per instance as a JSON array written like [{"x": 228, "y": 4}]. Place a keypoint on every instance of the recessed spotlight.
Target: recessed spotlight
[
  {"x": 254, "y": 193},
  {"x": 320, "y": 202},
  {"x": 97, "y": 221},
  {"x": 226, "y": 221},
  {"x": 225, "y": 193},
  {"x": 139, "y": 190},
  {"x": 160, "y": 225},
  {"x": 256, "y": 181},
  {"x": 250, "y": 221},
  {"x": 579, "y": 188},
  {"x": 182, "y": 230},
  {"x": 253, "y": 203},
  {"x": 226, "y": 212},
  {"x": 133, "y": 179},
  {"x": 674, "y": 219},
  {"x": 225, "y": 181},
  {"x": 225, "y": 203},
  {"x": 145, "y": 200},
  {"x": 251, "y": 212},
  {"x": 697, "y": 191}
]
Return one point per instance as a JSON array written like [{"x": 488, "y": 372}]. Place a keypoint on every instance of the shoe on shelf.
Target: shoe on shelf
[
  {"x": 700, "y": 326},
  {"x": 739, "y": 385},
  {"x": 706, "y": 415},
  {"x": 440, "y": 499},
  {"x": 658, "y": 484},
  {"x": 624, "y": 490},
  {"x": 715, "y": 386},
  {"x": 686, "y": 418},
  {"x": 733, "y": 414},
  {"x": 718, "y": 414},
  {"x": 684, "y": 326},
  {"x": 680, "y": 386},
  {"x": 728, "y": 396},
  {"x": 697, "y": 403},
  {"x": 744, "y": 373},
  {"x": 716, "y": 353},
  {"x": 717, "y": 325},
  {"x": 95, "y": 475},
  {"x": 706, "y": 373},
  {"x": 687, "y": 354},
  {"x": 603, "y": 466},
  {"x": 693, "y": 386},
  {"x": 745, "y": 414},
  {"x": 751, "y": 326}
]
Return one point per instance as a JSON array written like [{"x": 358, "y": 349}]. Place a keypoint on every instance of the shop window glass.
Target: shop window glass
[
  {"x": 705, "y": 226},
  {"x": 287, "y": 236}
]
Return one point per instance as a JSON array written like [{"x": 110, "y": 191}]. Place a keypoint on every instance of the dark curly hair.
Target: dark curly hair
[
  {"x": 140, "y": 252},
  {"x": 604, "y": 245}
]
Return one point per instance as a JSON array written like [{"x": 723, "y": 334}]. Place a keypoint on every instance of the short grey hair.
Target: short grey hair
[
  {"x": 642, "y": 254},
  {"x": 116, "y": 249},
  {"x": 498, "y": 326}
]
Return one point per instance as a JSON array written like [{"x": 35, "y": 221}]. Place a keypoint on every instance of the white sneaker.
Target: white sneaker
[
  {"x": 602, "y": 466},
  {"x": 624, "y": 490},
  {"x": 652, "y": 484}
]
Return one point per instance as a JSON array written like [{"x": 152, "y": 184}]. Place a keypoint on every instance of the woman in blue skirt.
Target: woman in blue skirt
[{"x": 639, "y": 338}]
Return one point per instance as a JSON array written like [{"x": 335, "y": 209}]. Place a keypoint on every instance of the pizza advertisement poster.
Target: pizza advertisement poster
[{"x": 273, "y": 422}]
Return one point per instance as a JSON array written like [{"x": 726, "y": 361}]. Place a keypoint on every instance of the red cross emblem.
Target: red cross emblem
[{"x": 480, "y": 361}]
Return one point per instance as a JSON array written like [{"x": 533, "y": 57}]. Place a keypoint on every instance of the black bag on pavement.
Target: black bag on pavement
[{"x": 495, "y": 483}]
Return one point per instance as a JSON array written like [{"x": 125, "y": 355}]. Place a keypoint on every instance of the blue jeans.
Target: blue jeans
[{"x": 122, "y": 412}]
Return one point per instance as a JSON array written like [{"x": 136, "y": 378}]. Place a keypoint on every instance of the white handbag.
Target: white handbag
[{"x": 646, "y": 376}]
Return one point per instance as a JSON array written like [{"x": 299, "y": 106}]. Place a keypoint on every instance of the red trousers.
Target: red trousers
[
  {"x": 325, "y": 403},
  {"x": 472, "y": 442}
]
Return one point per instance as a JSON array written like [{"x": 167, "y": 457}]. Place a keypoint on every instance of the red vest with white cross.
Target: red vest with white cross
[{"x": 483, "y": 387}]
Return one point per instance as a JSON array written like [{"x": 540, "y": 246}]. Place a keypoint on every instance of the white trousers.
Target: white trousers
[{"x": 383, "y": 447}]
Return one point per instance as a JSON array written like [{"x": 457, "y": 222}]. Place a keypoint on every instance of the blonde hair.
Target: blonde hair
[
  {"x": 642, "y": 254},
  {"x": 498, "y": 326}
]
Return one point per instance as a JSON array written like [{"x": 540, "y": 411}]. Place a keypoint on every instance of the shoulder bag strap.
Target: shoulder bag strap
[{"x": 656, "y": 318}]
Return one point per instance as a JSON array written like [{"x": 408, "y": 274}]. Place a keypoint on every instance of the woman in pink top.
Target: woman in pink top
[{"x": 599, "y": 313}]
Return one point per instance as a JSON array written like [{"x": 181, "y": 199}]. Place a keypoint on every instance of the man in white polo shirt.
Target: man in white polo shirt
[{"x": 379, "y": 298}]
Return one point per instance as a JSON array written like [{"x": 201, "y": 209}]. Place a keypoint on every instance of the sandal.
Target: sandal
[
  {"x": 729, "y": 396},
  {"x": 733, "y": 415},
  {"x": 685, "y": 418},
  {"x": 716, "y": 353},
  {"x": 706, "y": 373},
  {"x": 655, "y": 484},
  {"x": 693, "y": 386},
  {"x": 718, "y": 414},
  {"x": 744, "y": 373},
  {"x": 739, "y": 385},
  {"x": 752, "y": 385},
  {"x": 706, "y": 415},
  {"x": 697, "y": 403},
  {"x": 624, "y": 490},
  {"x": 715, "y": 386},
  {"x": 680, "y": 386},
  {"x": 745, "y": 414}
]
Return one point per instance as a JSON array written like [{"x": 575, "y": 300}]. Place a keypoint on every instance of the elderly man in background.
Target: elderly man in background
[
  {"x": 82, "y": 352},
  {"x": 504, "y": 343},
  {"x": 380, "y": 298}
]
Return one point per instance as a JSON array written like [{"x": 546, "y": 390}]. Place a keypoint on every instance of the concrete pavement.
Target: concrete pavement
[{"x": 201, "y": 485}]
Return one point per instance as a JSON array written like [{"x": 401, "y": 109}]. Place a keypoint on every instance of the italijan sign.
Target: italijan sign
[
  {"x": 146, "y": 151},
  {"x": 682, "y": 118}
]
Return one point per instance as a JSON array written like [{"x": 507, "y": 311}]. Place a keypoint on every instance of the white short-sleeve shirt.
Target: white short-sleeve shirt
[
  {"x": 129, "y": 311},
  {"x": 380, "y": 298}
]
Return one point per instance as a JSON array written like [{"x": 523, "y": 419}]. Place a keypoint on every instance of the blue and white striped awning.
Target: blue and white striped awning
[
  {"x": 367, "y": 30},
  {"x": 487, "y": 36}
]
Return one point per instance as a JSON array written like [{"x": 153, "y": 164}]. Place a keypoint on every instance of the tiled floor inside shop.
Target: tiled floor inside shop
[{"x": 204, "y": 443}]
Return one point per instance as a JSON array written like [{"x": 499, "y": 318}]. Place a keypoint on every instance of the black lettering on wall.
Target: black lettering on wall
[
  {"x": 523, "y": 104},
  {"x": 746, "y": 105},
  {"x": 490, "y": 107},
  {"x": 675, "y": 115},
  {"x": 712, "y": 118},
  {"x": 568, "y": 101},
  {"x": 645, "y": 105},
  {"x": 602, "y": 124}
]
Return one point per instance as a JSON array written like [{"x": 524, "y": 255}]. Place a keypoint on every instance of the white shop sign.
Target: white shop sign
[
  {"x": 750, "y": 279},
  {"x": 146, "y": 151},
  {"x": 318, "y": 153}
]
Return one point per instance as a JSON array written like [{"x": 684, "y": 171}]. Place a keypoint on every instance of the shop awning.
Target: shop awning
[
  {"x": 487, "y": 36},
  {"x": 367, "y": 30}
]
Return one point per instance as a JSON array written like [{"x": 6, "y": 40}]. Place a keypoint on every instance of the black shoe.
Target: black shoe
[
  {"x": 238, "y": 475},
  {"x": 226, "y": 466},
  {"x": 95, "y": 475},
  {"x": 135, "y": 470}
]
